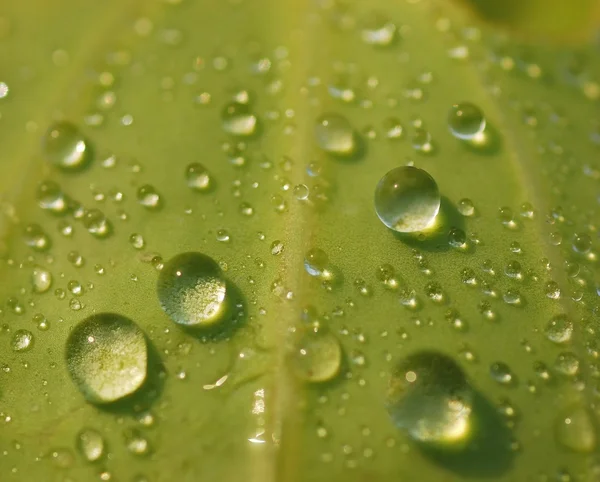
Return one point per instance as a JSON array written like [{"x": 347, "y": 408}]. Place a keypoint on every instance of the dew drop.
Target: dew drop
[
  {"x": 192, "y": 290},
  {"x": 148, "y": 197},
  {"x": 335, "y": 135},
  {"x": 197, "y": 177},
  {"x": 559, "y": 329},
  {"x": 51, "y": 198},
  {"x": 22, "y": 340},
  {"x": 238, "y": 119},
  {"x": 378, "y": 30},
  {"x": 567, "y": 364},
  {"x": 97, "y": 224},
  {"x": 316, "y": 357},
  {"x": 430, "y": 399},
  {"x": 90, "y": 444},
  {"x": 466, "y": 207},
  {"x": 41, "y": 279},
  {"x": 576, "y": 431},
  {"x": 502, "y": 373},
  {"x": 36, "y": 238},
  {"x": 466, "y": 121},
  {"x": 107, "y": 357},
  {"x": 64, "y": 146},
  {"x": 407, "y": 199},
  {"x": 315, "y": 262}
]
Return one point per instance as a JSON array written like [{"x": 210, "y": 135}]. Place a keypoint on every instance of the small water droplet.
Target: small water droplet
[
  {"x": 148, "y": 197},
  {"x": 316, "y": 357},
  {"x": 238, "y": 119},
  {"x": 576, "y": 431},
  {"x": 197, "y": 177},
  {"x": 22, "y": 340},
  {"x": 378, "y": 30},
  {"x": 41, "y": 279},
  {"x": 65, "y": 147},
  {"x": 466, "y": 207},
  {"x": 335, "y": 135},
  {"x": 90, "y": 444},
  {"x": 502, "y": 373},
  {"x": 97, "y": 224},
  {"x": 50, "y": 197},
  {"x": 466, "y": 121},
  {"x": 192, "y": 290},
  {"x": 36, "y": 237},
  {"x": 559, "y": 329}
]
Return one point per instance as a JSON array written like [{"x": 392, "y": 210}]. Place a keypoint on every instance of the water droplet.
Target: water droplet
[
  {"x": 192, "y": 290},
  {"x": 197, "y": 177},
  {"x": 576, "y": 431},
  {"x": 434, "y": 291},
  {"x": 407, "y": 199},
  {"x": 582, "y": 243},
  {"x": 430, "y": 399},
  {"x": 457, "y": 238},
  {"x": 316, "y": 357},
  {"x": 552, "y": 290},
  {"x": 148, "y": 197},
  {"x": 238, "y": 119},
  {"x": 335, "y": 135},
  {"x": 97, "y": 224},
  {"x": 41, "y": 279},
  {"x": 137, "y": 241},
  {"x": 559, "y": 329},
  {"x": 466, "y": 207},
  {"x": 378, "y": 30},
  {"x": 136, "y": 443},
  {"x": 315, "y": 262},
  {"x": 502, "y": 373},
  {"x": 51, "y": 198},
  {"x": 90, "y": 444},
  {"x": 107, "y": 357},
  {"x": 567, "y": 363},
  {"x": 64, "y": 146},
  {"x": 301, "y": 192},
  {"x": 466, "y": 121},
  {"x": 421, "y": 141},
  {"x": 22, "y": 340},
  {"x": 36, "y": 237}
]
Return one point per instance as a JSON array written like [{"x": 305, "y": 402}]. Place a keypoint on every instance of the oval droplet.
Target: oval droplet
[
  {"x": 316, "y": 357},
  {"x": 107, "y": 357},
  {"x": 407, "y": 200},
  {"x": 90, "y": 444},
  {"x": 192, "y": 290}
]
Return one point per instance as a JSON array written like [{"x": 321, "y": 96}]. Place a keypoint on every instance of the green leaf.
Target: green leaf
[{"x": 148, "y": 85}]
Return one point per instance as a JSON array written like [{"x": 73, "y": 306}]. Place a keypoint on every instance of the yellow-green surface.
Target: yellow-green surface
[{"x": 58, "y": 58}]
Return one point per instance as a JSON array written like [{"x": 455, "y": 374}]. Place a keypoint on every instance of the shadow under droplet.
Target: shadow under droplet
[
  {"x": 436, "y": 238},
  {"x": 486, "y": 454},
  {"x": 489, "y": 143},
  {"x": 148, "y": 393},
  {"x": 234, "y": 318}
]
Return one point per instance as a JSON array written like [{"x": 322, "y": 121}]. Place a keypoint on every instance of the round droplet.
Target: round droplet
[
  {"x": 502, "y": 373},
  {"x": 407, "y": 199},
  {"x": 90, "y": 444},
  {"x": 107, "y": 357},
  {"x": 430, "y": 399},
  {"x": 466, "y": 121},
  {"x": 50, "y": 197},
  {"x": 559, "y": 329},
  {"x": 192, "y": 290},
  {"x": 315, "y": 262},
  {"x": 97, "y": 224},
  {"x": 148, "y": 197},
  {"x": 466, "y": 207},
  {"x": 65, "y": 147},
  {"x": 197, "y": 177},
  {"x": 36, "y": 238},
  {"x": 576, "y": 431},
  {"x": 335, "y": 135},
  {"x": 22, "y": 340},
  {"x": 378, "y": 30},
  {"x": 238, "y": 119},
  {"x": 582, "y": 243},
  {"x": 316, "y": 357},
  {"x": 41, "y": 279},
  {"x": 421, "y": 141}
]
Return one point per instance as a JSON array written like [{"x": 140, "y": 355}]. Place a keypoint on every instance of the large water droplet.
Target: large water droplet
[
  {"x": 316, "y": 357},
  {"x": 335, "y": 135},
  {"x": 430, "y": 399},
  {"x": 107, "y": 357},
  {"x": 466, "y": 121},
  {"x": 407, "y": 199},
  {"x": 192, "y": 290},
  {"x": 575, "y": 430},
  {"x": 90, "y": 444},
  {"x": 64, "y": 146}
]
